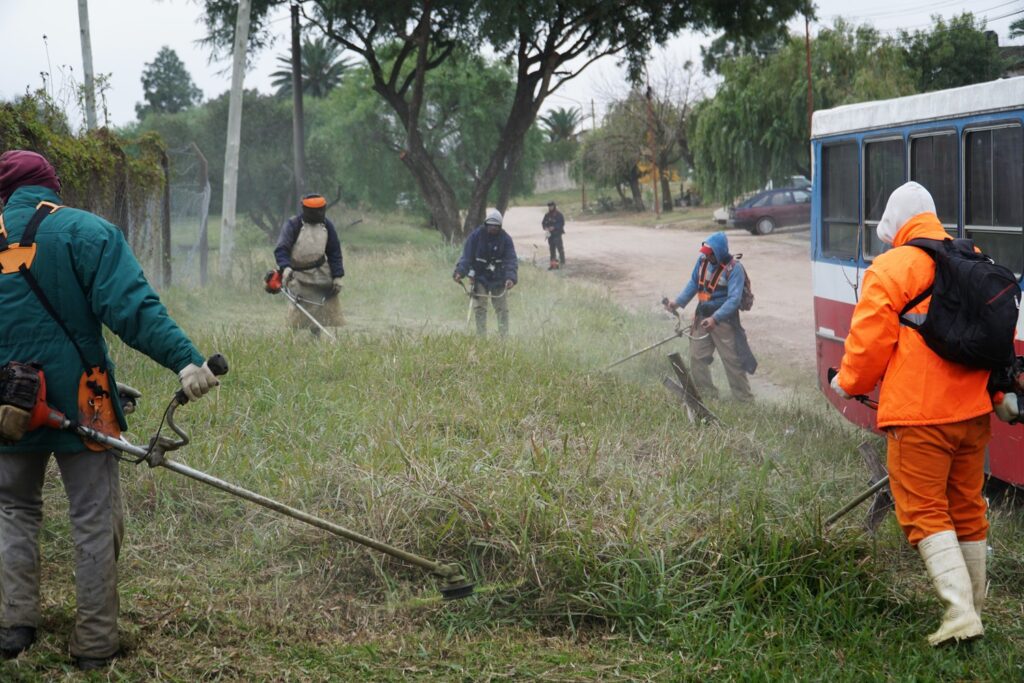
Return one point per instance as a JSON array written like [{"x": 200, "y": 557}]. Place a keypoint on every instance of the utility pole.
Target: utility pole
[
  {"x": 810, "y": 92},
  {"x": 655, "y": 176},
  {"x": 298, "y": 120},
  {"x": 90, "y": 83},
  {"x": 230, "y": 199}
]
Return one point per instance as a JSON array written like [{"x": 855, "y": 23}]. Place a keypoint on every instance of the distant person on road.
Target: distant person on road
[
  {"x": 554, "y": 226},
  {"x": 489, "y": 261},
  {"x": 308, "y": 254},
  {"x": 66, "y": 275},
  {"x": 935, "y": 414},
  {"x": 717, "y": 281}
]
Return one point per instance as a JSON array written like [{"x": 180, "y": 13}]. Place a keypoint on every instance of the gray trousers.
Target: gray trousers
[
  {"x": 97, "y": 527},
  {"x": 500, "y": 303},
  {"x": 702, "y": 351}
]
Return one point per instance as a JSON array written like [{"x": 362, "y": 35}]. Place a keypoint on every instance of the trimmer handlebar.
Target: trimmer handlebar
[{"x": 218, "y": 365}]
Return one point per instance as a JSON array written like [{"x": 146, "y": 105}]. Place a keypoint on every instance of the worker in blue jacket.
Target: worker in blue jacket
[
  {"x": 717, "y": 281},
  {"x": 489, "y": 261},
  {"x": 84, "y": 268}
]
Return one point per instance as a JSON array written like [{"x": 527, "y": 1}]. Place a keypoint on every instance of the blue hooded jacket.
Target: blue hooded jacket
[{"x": 725, "y": 301}]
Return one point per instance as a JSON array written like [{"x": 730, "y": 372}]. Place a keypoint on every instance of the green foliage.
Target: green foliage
[
  {"x": 952, "y": 54},
  {"x": 98, "y": 171},
  {"x": 755, "y": 128},
  {"x": 322, "y": 68},
  {"x": 265, "y": 183},
  {"x": 463, "y": 112},
  {"x": 167, "y": 86},
  {"x": 405, "y": 41},
  {"x": 560, "y": 124}
]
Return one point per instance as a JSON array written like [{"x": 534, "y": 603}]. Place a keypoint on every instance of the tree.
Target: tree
[
  {"x": 404, "y": 42},
  {"x": 755, "y": 127},
  {"x": 322, "y": 69},
  {"x": 561, "y": 124},
  {"x": 463, "y": 111},
  {"x": 1017, "y": 29},
  {"x": 167, "y": 86},
  {"x": 953, "y": 54}
]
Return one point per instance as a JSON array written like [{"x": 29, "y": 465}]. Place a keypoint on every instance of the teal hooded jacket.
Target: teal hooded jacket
[{"x": 88, "y": 272}]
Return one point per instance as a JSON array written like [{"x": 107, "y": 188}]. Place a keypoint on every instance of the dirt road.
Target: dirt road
[{"x": 640, "y": 265}]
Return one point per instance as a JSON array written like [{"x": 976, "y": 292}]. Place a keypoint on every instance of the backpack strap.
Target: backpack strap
[
  {"x": 28, "y": 238},
  {"x": 930, "y": 247}
]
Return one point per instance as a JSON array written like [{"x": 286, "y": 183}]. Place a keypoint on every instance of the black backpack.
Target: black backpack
[{"x": 975, "y": 303}]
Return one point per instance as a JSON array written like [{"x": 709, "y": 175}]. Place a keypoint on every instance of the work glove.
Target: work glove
[
  {"x": 839, "y": 389},
  {"x": 336, "y": 285},
  {"x": 1006, "y": 406},
  {"x": 457, "y": 276},
  {"x": 197, "y": 381},
  {"x": 129, "y": 397},
  {"x": 509, "y": 284},
  {"x": 286, "y": 275},
  {"x": 671, "y": 306},
  {"x": 709, "y": 324}
]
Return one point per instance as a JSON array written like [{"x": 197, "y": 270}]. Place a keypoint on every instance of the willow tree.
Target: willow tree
[
  {"x": 546, "y": 42},
  {"x": 755, "y": 127}
]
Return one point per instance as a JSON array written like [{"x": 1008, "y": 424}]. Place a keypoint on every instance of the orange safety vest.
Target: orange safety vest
[
  {"x": 706, "y": 286},
  {"x": 919, "y": 387}
]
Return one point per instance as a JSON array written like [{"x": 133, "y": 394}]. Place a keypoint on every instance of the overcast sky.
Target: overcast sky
[{"x": 126, "y": 34}]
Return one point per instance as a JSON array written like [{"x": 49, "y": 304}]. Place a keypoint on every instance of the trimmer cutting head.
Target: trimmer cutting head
[{"x": 458, "y": 588}]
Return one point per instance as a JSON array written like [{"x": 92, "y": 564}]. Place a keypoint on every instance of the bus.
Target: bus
[{"x": 966, "y": 146}]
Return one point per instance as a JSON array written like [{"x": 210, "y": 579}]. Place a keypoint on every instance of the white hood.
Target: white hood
[{"x": 905, "y": 202}]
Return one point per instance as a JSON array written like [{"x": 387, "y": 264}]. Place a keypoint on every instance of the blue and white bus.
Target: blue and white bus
[{"x": 966, "y": 145}]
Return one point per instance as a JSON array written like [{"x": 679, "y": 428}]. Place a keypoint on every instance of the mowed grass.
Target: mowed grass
[{"x": 610, "y": 538}]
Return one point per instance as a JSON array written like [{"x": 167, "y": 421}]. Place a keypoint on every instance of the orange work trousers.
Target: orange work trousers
[{"x": 936, "y": 473}]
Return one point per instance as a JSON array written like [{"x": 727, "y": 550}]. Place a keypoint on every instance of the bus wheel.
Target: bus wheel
[{"x": 764, "y": 226}]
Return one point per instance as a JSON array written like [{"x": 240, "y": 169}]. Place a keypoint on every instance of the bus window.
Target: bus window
[
  {"x": 933, "y": 164},
  {"x": 993, "y": 201},
  {"x": 839, "y": 193},
  {"x": 883, "y": 172}
]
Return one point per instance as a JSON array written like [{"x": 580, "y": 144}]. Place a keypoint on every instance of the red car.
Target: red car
[{"x": 770, "y": 209}]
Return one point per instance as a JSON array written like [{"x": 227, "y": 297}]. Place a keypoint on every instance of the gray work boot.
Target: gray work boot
[
  {"x": 16, "y": 639},
  {"x": 948, "y": 572}
]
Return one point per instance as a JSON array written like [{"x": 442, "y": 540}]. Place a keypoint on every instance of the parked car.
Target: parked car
[
  {"x": 771, "y": 209},
  {"x": 798, "y": 182}
]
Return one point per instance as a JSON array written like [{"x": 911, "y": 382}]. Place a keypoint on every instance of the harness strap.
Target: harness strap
[{"x": 43, "y": 210}]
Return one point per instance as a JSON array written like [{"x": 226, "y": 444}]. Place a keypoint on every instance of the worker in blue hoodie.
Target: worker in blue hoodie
[{"x": 717, "y": 281}]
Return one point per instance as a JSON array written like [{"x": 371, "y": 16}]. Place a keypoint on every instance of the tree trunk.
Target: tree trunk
[
  {"x": 634, "y": 187},
  {"x": 622, "y": 195},
  {"x": 298, "y": 118},
  {"x": 90, "y": 83},
  {"x": 508, "y": 176},
  {"x": 229, "y": 201},
  {"x": 436, "y": 192},
  {"x": 666, "y": 193}
]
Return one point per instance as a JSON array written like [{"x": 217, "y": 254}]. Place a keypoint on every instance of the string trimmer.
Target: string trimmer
[
  {"x": 455, "y": 585},
  {"x": 275, "y": 285},
  {"x": 680, "y": 331}
]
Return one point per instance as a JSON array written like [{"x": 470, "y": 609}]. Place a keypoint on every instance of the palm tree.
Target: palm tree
[
  {"x": 560, "y": 124},
  {"x": 322, "y": 69}
]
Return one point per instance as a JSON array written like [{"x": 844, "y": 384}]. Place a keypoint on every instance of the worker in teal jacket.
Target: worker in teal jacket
[{"x": 88, "y": 274}]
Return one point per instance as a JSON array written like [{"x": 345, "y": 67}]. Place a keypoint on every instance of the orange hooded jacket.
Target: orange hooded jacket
[{"x": 918, "y": 386}]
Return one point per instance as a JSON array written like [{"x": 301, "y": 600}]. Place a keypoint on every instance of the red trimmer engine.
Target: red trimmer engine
[{"x": 272, "y": 282}]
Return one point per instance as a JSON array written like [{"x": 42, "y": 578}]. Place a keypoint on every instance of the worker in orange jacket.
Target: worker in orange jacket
[{"x": 935, "y": 414}]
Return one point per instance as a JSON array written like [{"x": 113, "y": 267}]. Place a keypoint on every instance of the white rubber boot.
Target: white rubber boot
[
  {"x": 976, "y": 557},
  {"x": 948, "y": 572}
]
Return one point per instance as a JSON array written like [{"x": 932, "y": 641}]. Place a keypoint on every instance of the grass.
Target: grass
[{"x": 611, "y": 539}]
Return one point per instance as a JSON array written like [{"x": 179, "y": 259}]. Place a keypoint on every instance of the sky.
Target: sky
[{"x": 42, "y": 37}]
